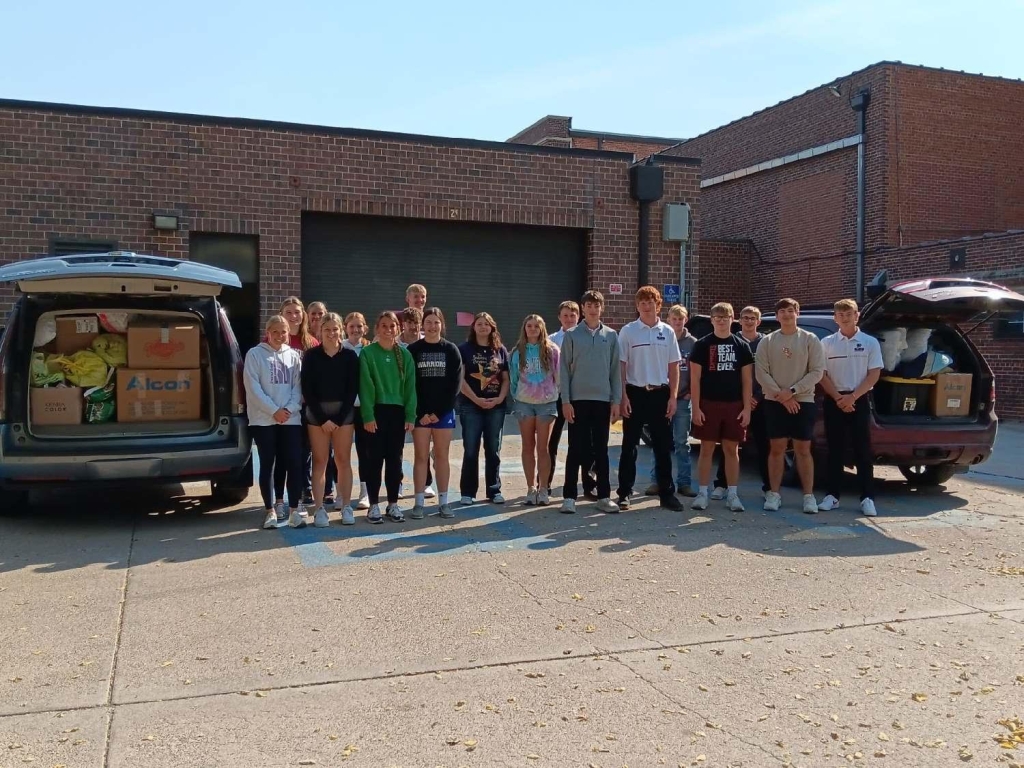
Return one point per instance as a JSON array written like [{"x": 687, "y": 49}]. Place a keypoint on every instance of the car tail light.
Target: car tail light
[
  {"x": 5, "y": 344},
  {"x": 237, "y": 366}
]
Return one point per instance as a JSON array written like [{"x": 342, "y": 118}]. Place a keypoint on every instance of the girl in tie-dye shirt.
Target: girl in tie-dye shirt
[{"x": 533, "y": 375}]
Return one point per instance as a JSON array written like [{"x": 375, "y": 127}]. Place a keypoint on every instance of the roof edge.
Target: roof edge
[
  {"x": 275, "y": 125},
  {"x": 535, "y": 123},
  {"x": 624, "y": 137}
]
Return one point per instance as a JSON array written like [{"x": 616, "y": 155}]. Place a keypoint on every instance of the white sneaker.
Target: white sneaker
[
  {"x": 700, "y": 501},
  {"x": 429, "y": 492},
  {"x": 348, "y": 516},
  {"x": 281, "y": 511},
  {"x": 320, "y": 518},
  {"x": 466, "y": 501},
  {"x": 296, "y": 519},
  {"x": 829, "y": 503},
  {"x": 810, "y": 504},
  {"x": 497, "y": 499},
  {"x": 374, "y": 516},
  {"x": 395, "y": 514},
  {"x": 867, "y": 508},
  {"x": 607, "y": 506},
  {"x": 734, "y": 503},
  {"x": 772, "y": 501},
  {"x": 543, "y": 497},
  {"x": 531, "y": 497},
  {"x": 271, "y": 520},
  {"x": 568, "y": 506},
  {"x": 718, "y": 494},
  {"x": 364, "y": 497}
]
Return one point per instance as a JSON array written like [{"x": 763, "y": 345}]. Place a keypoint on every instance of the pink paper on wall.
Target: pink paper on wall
[{"x": 464, "y": 318}]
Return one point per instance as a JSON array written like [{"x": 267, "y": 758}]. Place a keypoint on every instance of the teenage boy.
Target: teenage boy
[
  {"x": 416, "y": 296},
  {"x": 568, "y": 318},
  {"x": 412, "y": 324},
  {"x": 750, "y": 319},
  {"x": 720, "y": 389},
  {"x": 853, "y": 363},
  {"x": 650, "y": 379},
  {"x": 590, "y": 384},
  {"x": 677, "y": 317},
  {"x": 788, "y": 365}
]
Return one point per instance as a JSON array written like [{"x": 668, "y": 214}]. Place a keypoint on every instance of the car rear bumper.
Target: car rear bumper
[
  {"x": 960, "y": 444},
  {"x": 221, "y": 455}
]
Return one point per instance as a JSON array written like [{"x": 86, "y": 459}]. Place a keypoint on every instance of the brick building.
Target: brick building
[
  {"x": 944, "y": 193},
  {"x": 556, "y": 131},
  {"x": 346, "y": 216}
]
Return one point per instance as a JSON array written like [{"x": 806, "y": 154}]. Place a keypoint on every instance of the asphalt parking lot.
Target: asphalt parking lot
[{"x": 161, "y": 631}]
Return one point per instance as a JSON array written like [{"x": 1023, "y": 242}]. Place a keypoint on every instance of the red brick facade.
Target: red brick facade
[
  {"x": 557, "y": 131},
  {"x": 85, "y": 173}
]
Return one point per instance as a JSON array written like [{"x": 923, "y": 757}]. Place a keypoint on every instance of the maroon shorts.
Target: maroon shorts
[{"x": 721, "y": 422}]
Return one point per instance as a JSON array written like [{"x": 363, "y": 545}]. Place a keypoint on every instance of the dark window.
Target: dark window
[
  {"x": 68, "y": 247},
  {"x": 1010, "y": 326},
  {"x": 768, "y": 326}
]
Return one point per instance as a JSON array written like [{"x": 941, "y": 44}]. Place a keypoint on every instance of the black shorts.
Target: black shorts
[
  {"x": 780, "y": 423},
  {"x": 333, "y": 412}
]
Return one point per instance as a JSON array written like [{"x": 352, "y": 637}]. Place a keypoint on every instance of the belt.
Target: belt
[{"x": 649, "y": 387}]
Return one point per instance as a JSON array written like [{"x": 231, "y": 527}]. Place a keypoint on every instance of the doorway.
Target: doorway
[{"x": 239, "y": 254}]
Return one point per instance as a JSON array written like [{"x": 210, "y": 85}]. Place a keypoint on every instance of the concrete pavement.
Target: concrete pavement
[{"x": 166, "y": 632}]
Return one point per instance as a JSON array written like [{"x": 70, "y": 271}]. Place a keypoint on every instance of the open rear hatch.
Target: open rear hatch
[
  {"x": 932, "y": 372},
  {"x": 115, "y": 349}
]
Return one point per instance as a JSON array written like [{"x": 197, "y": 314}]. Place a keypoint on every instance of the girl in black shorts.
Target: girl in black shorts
[{"x": 330, "y": 383}]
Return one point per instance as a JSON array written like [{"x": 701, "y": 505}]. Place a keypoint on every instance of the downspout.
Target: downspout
[{"x": 859, "y": 104}]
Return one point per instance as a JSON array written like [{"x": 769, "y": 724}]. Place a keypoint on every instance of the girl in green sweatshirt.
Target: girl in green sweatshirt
[{"x": 387, "y": 399}]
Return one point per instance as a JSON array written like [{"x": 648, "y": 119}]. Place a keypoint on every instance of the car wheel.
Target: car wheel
[
  {"x": 229, "y": 494},
  {"x": 927, "y": 474}
]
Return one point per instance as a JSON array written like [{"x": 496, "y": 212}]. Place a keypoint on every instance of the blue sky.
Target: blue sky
[{"x": 481, "y": 69}]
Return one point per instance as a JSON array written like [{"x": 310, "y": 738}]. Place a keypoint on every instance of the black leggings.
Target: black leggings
[
  {"x": 362, "y": 441},
  {"x": 305, "y": 470},
  {"x": 279, "y": 445},
  {"x": 385, "y": 452}
]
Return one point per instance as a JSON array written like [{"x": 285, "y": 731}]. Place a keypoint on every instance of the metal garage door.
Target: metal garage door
[{"x": 365, "y": 263}]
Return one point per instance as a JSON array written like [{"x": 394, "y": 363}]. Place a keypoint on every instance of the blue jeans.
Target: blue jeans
[
  {"x": 480, "y": 423},
  {"x": 681, "y": 445}
]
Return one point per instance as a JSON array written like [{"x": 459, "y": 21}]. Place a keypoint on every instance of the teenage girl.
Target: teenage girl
[
  {"x": 273, "y": 395},
  {"x": 330, "y": 381},
  {"x": 317, "y": 310},
  {"x": 438, "y": 379},
  {"x": 533, "y": 371},
  {"x": 355, "y": 339},
  {"x": 387, "y": 398},
  {"x": 300, "y": 339}
]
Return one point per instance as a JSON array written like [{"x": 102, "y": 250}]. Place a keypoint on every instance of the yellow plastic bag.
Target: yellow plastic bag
[
  {"x": 83, "y": 369},
  {"x": 112, "y": 348}
]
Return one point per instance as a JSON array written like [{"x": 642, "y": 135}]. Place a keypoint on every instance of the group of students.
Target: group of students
[{"x": 316, "y": 386}]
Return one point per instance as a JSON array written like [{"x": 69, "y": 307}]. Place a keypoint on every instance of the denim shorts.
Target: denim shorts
[{"x": 542, "y": 411}]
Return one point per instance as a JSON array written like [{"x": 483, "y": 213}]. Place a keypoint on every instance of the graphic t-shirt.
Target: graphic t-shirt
[
  {"x": 438, "y": 376},
  {"x": 721, "y": 364},
  {"x": 483, "y": 368}
]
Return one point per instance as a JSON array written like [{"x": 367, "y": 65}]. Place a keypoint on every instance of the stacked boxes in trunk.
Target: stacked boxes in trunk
[{"x": 106, "y": 367}]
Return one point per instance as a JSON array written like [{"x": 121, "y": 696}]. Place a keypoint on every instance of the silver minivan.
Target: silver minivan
[{"x": 214, "y": 446}]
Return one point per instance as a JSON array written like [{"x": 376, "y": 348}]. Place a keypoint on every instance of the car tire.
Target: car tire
[
  {"x": 927, "y": 475},
  {"x": 14, "y": 503},
  {"x": 229, "y": 494}
]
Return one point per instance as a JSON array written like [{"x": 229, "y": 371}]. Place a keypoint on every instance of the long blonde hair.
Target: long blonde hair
[
  {"x": 389, "y": 315},
  {"x": 542, "y": 342},
  {"x": 306, "y": 338}
]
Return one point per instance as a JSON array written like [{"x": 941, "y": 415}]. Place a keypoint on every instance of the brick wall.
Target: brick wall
[
  {"x": 639, "y": 148},
  {"x": 549, "y": 127},
  {"x": 724, "y": 274},
  {"x": 85, "y": 174}
]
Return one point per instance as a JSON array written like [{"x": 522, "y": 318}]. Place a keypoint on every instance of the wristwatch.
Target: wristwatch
[{"x": 793, "y": 390}]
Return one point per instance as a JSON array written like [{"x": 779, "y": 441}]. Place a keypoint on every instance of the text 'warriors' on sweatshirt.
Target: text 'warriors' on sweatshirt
[{"x": 387, "y": 377}]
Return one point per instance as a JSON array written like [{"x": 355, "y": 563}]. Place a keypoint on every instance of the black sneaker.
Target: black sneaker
[
  {"x": 623, "y": 503},
  {"x": 671, "y": 502}
]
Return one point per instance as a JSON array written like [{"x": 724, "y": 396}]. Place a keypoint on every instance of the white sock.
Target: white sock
[
  {"x": 420, "y": 497},
  {"x": 702, "y": 489},
  {"x": 733, "y": 491},
  {"x": 443, "y": 497}
]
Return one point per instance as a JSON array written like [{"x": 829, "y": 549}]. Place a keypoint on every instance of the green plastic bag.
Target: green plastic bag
[
  {"x": 113, "y": 349},
  {"x": 42, "y": 375},
  {"x": 100, "y": 402}
]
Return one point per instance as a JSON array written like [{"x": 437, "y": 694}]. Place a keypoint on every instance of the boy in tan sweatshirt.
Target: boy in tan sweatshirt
[{"x": 788, "y": 365}]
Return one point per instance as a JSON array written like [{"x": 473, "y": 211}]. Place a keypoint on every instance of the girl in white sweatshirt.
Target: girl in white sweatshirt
[{"x": 273, "y": 401}]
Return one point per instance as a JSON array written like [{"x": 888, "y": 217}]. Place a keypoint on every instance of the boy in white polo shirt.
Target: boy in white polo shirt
[
  {"x": 853, "y": 363},
  {"x": 650, "y": 358}
]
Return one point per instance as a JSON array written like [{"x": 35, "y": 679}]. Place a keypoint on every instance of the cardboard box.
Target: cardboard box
[
  {"x": 952, "y": 395},
  {"x": 173, "y": 345},
  {"x": 50, "y": 406},
  {"x": 158, "y": 395},
  {"x": 75, "y": 333}
]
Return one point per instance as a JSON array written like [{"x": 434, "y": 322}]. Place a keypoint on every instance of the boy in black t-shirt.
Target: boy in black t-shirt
[{"x": 721, "y": 381}]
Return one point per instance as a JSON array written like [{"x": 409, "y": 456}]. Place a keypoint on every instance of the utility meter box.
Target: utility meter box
[{"x": 676, "y": 222}]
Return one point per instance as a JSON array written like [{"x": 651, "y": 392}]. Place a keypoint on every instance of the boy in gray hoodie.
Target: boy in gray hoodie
[{"x": 590, "y": 385}]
